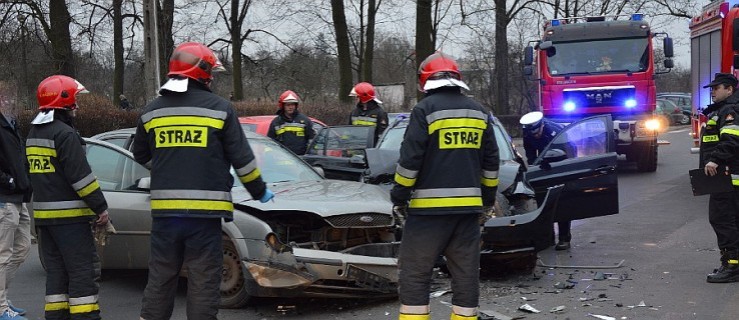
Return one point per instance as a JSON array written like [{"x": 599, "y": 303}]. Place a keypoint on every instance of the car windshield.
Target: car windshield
[
  {"x": 392, "y": 139},
  {"x": 249, "y": 127},
  {"x": 599, "y": 56},
  {"x": 277, "y": 164}
]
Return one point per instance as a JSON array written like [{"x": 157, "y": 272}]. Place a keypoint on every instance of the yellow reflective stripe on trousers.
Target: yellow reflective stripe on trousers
[
  {"x": 191, "y": 205},
  {"x": 90, "y": 188},
  {"x": 403, "y": 181},
  {"x": 84, "y": 308},
  {"x": 489, "y": 182},
  {"x": 40, "y": 151},
  {"x": 65, "y": 213},
  {"x": 55, "y": 306},
  {"x": 183, "y": 120},
  {"x": 446, "y": 202},
  {"x": 251, "y": 176},
  {"x": 457, "y": 123}
]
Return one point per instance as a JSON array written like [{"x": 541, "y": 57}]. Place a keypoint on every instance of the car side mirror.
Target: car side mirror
[
  {"x": 144, "y": 183},
  {"x": 528, "y": 56},
  {"x": 668, "y": 48},
  {"x": 554, "y": 155},
  {"x": 528, "y": 70},
  {"x": 320, "y": 171},
  {"x": 357, "y": 160}
]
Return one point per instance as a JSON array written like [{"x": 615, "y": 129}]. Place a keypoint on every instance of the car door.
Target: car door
[
  {"x": 129, "y": 208},
  {"x": 583, "y": 158},
  {"x": 340, "y": 151}
]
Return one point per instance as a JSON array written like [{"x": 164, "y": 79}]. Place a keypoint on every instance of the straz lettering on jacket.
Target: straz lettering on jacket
[
  {"x": 39, "y": 153},
  {"x": 182, "y": 126},
  {"x": 458, "y": 129}
]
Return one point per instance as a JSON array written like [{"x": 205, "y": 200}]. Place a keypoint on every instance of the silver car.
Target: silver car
[{"x": 323, "y": 238}]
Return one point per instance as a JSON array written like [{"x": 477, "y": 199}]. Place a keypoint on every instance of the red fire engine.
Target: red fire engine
[
  {"x": 602, "y": 65},
  {"x": 714, "y": 47}
]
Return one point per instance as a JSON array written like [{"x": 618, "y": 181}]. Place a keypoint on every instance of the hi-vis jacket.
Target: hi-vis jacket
[
  {"x": 726, "y": 151},
  {"x": 191, "y": 140},
  {"x": 293, "y": 133},
  {"x": 710, "y": 133},
  {"x": 449, "y": 158},
  {"x": 373, "y": 116},
  {"x": 64, "y": 188}
]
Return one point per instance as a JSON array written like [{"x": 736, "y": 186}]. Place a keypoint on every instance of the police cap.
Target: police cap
[
  {"x": 531, "y": 121},
  {"x": 727, "y": 79}
]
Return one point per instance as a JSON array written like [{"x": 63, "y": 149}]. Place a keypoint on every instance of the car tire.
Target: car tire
[
  {"x": 233, "y": 284},
  {"x": 684, "y": 120},
  {"x": 647, "y": 161}
]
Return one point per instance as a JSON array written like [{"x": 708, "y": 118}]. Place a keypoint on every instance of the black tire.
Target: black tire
[
  {"x": 233, "y": 285},
  {"x": 647, "y": 161},
  {"x": 684, "y": 120}
]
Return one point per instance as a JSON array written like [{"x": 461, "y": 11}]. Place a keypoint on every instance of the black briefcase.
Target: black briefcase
[{"x": 703, "y": 184}]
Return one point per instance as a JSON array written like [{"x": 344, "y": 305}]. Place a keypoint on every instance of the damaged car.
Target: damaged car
[{"x": 319, "y": 238}]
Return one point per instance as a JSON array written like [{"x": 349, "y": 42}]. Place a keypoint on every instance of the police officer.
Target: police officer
[
  {"x": 368, "y": 111},
  {"x": 447, "y": 173},
  {"x": 538, "y": 132},
  {"x": 291, "y": 128},
  {"x": 719, "y": 151},
  {"x": 66, "y": 198},
  {"x": 190, "y": 137}
]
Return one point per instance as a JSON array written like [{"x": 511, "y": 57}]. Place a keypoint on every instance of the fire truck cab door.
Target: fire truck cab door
[{"x": 583, "y": 158}]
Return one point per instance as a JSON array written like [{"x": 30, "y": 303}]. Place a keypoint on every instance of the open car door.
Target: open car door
[
  {"x": 340, "y": 151},
  {"x": 583, "y": 158}
]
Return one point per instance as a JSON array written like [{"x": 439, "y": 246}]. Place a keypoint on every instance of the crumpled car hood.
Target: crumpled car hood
[{"x": 323, "y": 197}]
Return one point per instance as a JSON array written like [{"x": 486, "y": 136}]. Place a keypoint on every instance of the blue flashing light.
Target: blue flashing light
[
  {"x": 630, "y": 103},
  {"x": 637, "y": 17},
  {"x": 555, "y": 23},
  {"x": 569, "y": 106}
]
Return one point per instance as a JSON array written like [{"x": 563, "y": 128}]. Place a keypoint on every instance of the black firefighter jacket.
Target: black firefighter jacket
[
  {"x": 375, "y": 116},
  {"x": 710, "y": 133},
  {"x": 64, "y": 188},
  {"x": 725, "y": 152},
  {"x": 293, "y": 133},
  {"x": 191, "y": 140},
  {"x": 533, "y": 146},
  {"x": 13, "y": 164},
  {"x": 448, "y": 159}
]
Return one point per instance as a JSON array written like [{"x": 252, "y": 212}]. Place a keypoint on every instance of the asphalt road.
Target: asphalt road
[{"x": 662, "y": 235}]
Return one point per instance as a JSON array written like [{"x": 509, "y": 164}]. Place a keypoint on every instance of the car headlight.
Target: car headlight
[
  {"x": 274, "y": 242},
  {"x": 652, "y": 124}
]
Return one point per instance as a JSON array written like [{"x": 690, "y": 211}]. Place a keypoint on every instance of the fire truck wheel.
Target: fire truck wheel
[{"x": 647, "y": 161}]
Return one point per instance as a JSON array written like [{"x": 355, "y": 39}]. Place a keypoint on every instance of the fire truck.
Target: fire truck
[
  {"x": 587, "y": 66},
  {"x": 714, "y": 47}
]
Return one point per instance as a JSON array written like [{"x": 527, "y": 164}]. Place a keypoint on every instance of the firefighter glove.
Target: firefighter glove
[{"x": 268, "y": 195}]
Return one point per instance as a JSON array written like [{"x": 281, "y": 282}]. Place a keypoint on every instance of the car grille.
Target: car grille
[{"x": 367, "y": 219}]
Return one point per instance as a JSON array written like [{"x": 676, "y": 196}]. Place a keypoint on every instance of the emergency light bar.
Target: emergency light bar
[{"x": 561, "y": 21}]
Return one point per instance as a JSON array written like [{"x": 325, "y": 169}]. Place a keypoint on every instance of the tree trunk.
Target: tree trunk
[
  {"x": 342, "y": 46},
  {"x": 61, "y": 42},
  {"x": 166, "y": 39},
  {"x": 501, "y": 58},
  {"x": 369, "y": 45},
  {"x": 238, "y": 85},
  {"x": 424, "y": 33},
  {"x": 119, "y": 64}
]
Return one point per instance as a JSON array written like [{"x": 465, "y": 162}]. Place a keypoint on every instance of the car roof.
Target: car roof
[
  {"x": 267, "y": 119},
  {"x": 674, "y": 94}
]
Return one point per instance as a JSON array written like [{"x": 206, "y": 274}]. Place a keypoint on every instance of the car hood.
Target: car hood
[
  {"x": 323, "y": 197},
  {"x": 381, "y": 161}
]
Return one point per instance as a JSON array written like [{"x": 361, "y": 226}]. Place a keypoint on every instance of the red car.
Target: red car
[{"x": 260, "y": 124}]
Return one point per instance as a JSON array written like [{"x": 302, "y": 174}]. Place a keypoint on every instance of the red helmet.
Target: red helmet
[
  {"x": 59, "y": 92},
  {"x": 439, "y": 66},
  {"x": 195, "y": 61},
  {"x": 288, "y": 97},
  {"x": 364, "y": 91}
]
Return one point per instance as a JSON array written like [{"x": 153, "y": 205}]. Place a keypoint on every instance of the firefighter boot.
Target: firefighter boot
[
  {"x": 414, "y": 312},
  {"x": 462, "y": 313},
  {"x": 724, "y": 263},
  {"x": 730, "y": 273},
  {"x": 404, "y": 316}
]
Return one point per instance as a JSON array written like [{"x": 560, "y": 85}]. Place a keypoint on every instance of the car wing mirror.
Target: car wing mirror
[
  {"x": 144, "y": 183},
  {"x": 320, "y": 171},
  {"x": 554, "y": 155},
  {"x": 357, "y": 160}
]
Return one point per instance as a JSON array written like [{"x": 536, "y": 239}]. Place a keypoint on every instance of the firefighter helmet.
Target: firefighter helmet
[
  {"x": 439, "y": 70},
  {"x": 195, "y": 61},
  {"x": 288, "y": 97},
  {"x": 365, "y": 92},
  {"x": 59, "y": 92}
]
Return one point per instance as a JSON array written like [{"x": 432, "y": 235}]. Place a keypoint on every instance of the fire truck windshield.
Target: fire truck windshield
[{"x": 599, "y": 56}]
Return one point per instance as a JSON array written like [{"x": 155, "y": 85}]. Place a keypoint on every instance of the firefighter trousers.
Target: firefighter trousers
[
  {"x": 425, "y": 237},
  {"x": 68, "y": 252},
  {"x": 197, "y": 243},
  {"x": 723, "y": 214}
]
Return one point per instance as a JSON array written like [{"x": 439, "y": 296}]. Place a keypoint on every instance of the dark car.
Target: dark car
[
  {"x": 681, "y": 99},
  {"x": 669, "y": 111}
]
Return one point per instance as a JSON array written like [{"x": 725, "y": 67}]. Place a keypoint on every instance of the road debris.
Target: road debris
[
  {"x": 494, "y": 315},
  {"x": 439, "y": 293},
  {"x": 601, "y": 317},
  {"x": 558, "y": 309},
  {"x": 528, "y": 308},
  {"x": 564, "y": 285},
  {"x": 552, "y": 266}
]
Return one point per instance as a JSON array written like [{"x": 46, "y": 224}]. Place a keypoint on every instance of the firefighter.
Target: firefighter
[
  {"x": 190, "y": 138},
  {"x": 291, "y": 128},
  {"x": 368, "y": 111},
  {"x": 719, "y": 151},
  {"x": 66, "y": 198},
  {"x": 447, "y": 173},
  {"x": 537, "y": 133}
]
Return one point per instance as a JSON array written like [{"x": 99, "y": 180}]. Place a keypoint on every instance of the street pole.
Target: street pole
[{"x": 151, "y": 50}]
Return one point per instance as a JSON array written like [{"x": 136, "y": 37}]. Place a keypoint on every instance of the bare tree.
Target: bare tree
[
  {"x": 342, "y": 45},
  {"x": 61, "y": 41}
]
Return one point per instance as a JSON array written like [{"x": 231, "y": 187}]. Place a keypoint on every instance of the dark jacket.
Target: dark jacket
[
  {"x": 710, "y": 133},
  {"x": 375, "y": 115},
  {"x": 293, "y": 133},
  {"x": 13, "y": 164},
  {"x": 726, "y": 151},
  {"x": 534, "y": 146},
  {"x": 449, "y": 158},
  {"x": 191, "y": 140},
  {"x": 64, "y": 188}
]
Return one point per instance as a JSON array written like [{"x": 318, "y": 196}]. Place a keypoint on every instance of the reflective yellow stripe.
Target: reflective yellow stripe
[
  {"x": 363, "y": 123},
  {"x": 40, "y": 151},
  {"x": 54, "y": 306},
  {"x": 183, "y": 120},
  {"x": 735, "y": 182},
  {"x": 710, "y": 138},
  {"x": 446, "y": 202},
  {"x": 192, "y": 205},
  {"x": 403, "y": 181},
  {"x": 84, "y": 308},
  {"x": 298, "y": 131},
  {"x": 65, "y": 213},
  {"x": 458, "y": 317},
  {"x": 251, "y": 176},
  {"x": 733, "y": 132},
  {"x": 489, "y": 182},
  {"x": 711, "y": 122},
  {"x": 457, "y": 123},
  {"x": 733, "y": 261},
  {"x": 404, "y": 316},
  {"x": 88, "y": 189}
]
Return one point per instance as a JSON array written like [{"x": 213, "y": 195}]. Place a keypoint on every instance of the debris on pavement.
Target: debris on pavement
[
  {"x": 528, "y": 308},
  {"x": 601, "y": 317},
  {"x": 558, "y": 309},
  {"x": 439, "y": 293},
  {"x": 494, "y": 315},
  {"x": 286, "y": 309},
  {"x": 564, "y": 285}
]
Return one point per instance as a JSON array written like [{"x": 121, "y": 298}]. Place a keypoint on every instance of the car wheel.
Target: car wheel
[
  {"x": 647, "y": 161},
  {"x": 233, "y": 284},
  {"x": 684, "y": 120}
]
